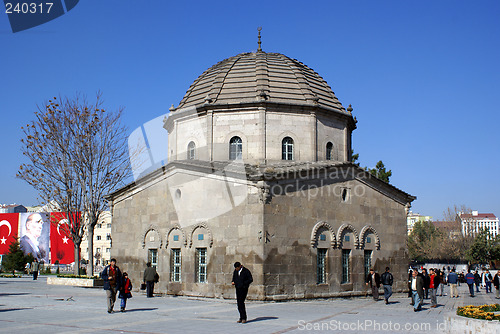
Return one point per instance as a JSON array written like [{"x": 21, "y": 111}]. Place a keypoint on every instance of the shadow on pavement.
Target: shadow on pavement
[
  {"x": 14, "y": 294},
  {"x": 140, "y": 309},
  {"x": 390, "y": 303},
  {"x": 16, "y": 309},
  {"x": 262, "y": 319}
]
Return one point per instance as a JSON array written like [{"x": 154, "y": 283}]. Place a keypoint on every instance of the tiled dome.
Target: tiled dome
[{"x": 261, "y": 76}]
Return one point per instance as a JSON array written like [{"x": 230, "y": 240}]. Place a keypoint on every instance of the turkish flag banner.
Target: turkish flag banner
[
  {"x": 62, "y": 248},
  {"x": 9, "y": 226}
]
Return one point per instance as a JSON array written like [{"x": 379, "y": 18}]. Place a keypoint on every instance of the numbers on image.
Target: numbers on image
[{"x": 31, "y": 8}]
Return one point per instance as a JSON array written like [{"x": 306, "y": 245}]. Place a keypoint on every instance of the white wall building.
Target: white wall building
[
  {"x": 412, "y": 218},
  {"x": 102, "y": 241},
  {"x": 473, "y": 222}
]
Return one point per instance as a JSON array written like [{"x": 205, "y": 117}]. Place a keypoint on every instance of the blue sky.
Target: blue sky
[{"x": 422, "y": 77}]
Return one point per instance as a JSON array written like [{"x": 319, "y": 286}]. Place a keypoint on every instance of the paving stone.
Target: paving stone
[{"x": 28, "y": 305}]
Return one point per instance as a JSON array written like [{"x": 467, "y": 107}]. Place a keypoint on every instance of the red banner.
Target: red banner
[
  {"x": 9, "y": 224},
  {"x": 62, "y": 247}
]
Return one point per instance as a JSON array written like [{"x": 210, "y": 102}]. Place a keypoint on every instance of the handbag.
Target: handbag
[
  {"x": 157, "y": 278},
  {"x": 143, "y": 286}
]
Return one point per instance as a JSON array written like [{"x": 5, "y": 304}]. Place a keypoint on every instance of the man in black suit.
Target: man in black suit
[{"x": 242, "y": 278}]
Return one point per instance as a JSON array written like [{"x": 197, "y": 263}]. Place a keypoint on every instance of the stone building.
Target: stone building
[{"x": 259, "y": 172}]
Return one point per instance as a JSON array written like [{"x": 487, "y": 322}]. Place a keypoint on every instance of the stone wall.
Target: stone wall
[
  {"x": 273, "y": 225},
  {"x": 148, "y": 218},
  {"x": 261, "y": 129},
  {"x": 296, "y": 218}
]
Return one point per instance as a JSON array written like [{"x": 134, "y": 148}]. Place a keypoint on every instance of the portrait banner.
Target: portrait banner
[{"x": 34, "y": 235}]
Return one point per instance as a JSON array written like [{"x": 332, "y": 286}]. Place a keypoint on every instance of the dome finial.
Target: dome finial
[{"x": 259, "y": 42}]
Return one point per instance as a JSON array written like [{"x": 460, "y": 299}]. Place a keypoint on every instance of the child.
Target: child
[{"x": 125, "y": 292}]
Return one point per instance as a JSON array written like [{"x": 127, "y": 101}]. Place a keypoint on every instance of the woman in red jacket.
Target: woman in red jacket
[{"x": 125, "y": 293}]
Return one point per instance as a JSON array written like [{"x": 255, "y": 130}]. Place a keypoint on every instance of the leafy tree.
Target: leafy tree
[
  {"x": 355, "y": 158},
  {"x": 427, "y": 242},
  {"x": 495, "y": 249},
  {"x": 15, "y": 258},
  {"x": 77, "y": 154},
  {"x": 380, "y": 172},
  {"x": 424, "y": 241},
  {"x": 482, "y": 248}
]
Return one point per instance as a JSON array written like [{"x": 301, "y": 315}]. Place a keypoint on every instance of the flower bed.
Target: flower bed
[
  {"x": 480, "y": 312},
  {"x": 76, "y": 276},
  {"x": 10, "y": 276}
]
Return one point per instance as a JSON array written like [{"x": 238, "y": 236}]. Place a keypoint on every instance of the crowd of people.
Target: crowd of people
[{"x": 429, "y": 282}]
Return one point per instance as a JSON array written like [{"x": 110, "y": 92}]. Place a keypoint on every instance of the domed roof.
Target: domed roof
[{"x": 261, "y": 76}]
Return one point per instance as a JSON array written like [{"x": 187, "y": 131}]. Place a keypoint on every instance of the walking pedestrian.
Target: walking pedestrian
[
  {"x": 452, "y": 281},
  {"x": 416, "y": 286},
  {"x": 150, "y": 277},
  {"x": 125, "y": 291},
  {"x": 373, "y": 279},
  {"x": 496, "y": 284},
  {"x": 442, "y": 282},
  {"x": 469, "y": 279},
  {"x": 387, "y": 280},
  {"x": 487, "y": 280},
  {"x": 112, "y": 278},
  {"x": 477, "y": 280},
  {"x": 27, "y": 268},
  {"x": 425, "y": 276},
  {"x": 433, "y": 286},
  {"x": 410, "y": 275},
  {"x": 242, "y": 278},
  {"x": 35, "y": 267}
]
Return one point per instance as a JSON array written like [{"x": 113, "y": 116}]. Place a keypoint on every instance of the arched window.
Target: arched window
[
  {"x": 329, "y": 151},
  {"x": 235, "y": 148},
  {"x": 287, "y": 149},
  {"x": 191, "y": 151}
]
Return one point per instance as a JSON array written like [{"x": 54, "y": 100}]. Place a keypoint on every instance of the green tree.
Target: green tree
[
  {"x": 380, "y": 172},
  {"x": 495, "y": 249},
  {"x": 15, "y": 258},
  {"x": 424, "y": 241},
  {"x": 482, "y": 248},
  {"x": 355, "y": 158}
]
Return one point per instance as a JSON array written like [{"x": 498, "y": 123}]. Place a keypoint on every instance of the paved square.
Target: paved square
[{"x": 35, "y": 306}]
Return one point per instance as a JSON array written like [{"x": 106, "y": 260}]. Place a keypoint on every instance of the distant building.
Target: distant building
[
  {"x": 102, "y": 241},
  {"x": 412, "y": 218},
  {"x": 452, "y": 228},
  {"x": 49, "y": 207},
  {"x": 36, "y": 208},
  {"x": 473, "y": 222},
  {"x": 12, "y": 208}
]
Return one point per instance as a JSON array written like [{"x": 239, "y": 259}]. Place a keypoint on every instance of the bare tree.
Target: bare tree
[
  {"x": 49, "y": 147},
  {"x": 78, "y": 153},
  {"x": 462, "y": 222}
]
